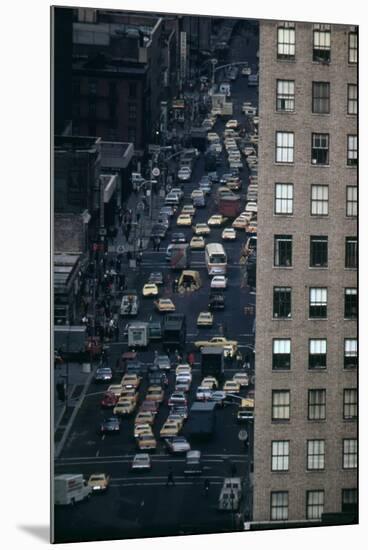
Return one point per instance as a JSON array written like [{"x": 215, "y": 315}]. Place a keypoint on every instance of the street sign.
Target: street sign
[
  {"x": 242, "y": 435},
  {"x": 155, "y": 172}
]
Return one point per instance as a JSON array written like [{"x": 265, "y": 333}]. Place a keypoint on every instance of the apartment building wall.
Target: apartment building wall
[{"x": 300, "y": 277}]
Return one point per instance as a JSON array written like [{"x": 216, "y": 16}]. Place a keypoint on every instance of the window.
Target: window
[
  {"x": 284, "y": 198},
  {"x": 351, "y": 201},
  {"x": 351, "y": 303},
  {"x": 352, "y": 159},
  {"x": 350, "y": 453},
  {"x": 281, "y": 302},
  {"x": 76, "y": 89},
  {"x": 285, "y": 147},
  {"x": 281, "y": 352},
  {"x": 112, "y": 90},
  {"x": 285, "y": 95},
  {"x": 280, "y": 405},
  {"x": 320, "y": 148},
  {"x": 132, "y": 111},
  {"x": 279, "y": 505},
  {"x": 92, "y": 108},
  {"x": 352, "y": 99},
  {"x": 322, "y": 45},
  {"x": 349, "y": 500},
  {"x": 319, "y": 200},
  {"x": 131, "y": 134},
  {"x": 350, "y": 404},
  {"x": 353, "y": 47},
  {"x": 351, "y": 252},
  {"x": 283, "y": 247},
  {"x": 315, "y": 454},
  {"x": 286, "y": 41},
  {"x": 92, "y": 87},
  {"x": 350, "y": 353},
  {"x": 321, "y": 97},
  {"x": 318, "y": 353},
  {"x": 318, "y": 251},
  {"x": 318, "y": 303},
  {"x": 280, "y": 456},
  {"x": 316, "y": 404},
  {"x": 132, "y": 89},
  {"x": 315, "y": 503}
]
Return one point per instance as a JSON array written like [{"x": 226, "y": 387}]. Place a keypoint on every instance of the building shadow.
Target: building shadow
[{"x": 41, "y": 532}]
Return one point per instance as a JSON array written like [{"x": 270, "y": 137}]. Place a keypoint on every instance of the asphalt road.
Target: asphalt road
[{"x": 142, "y": 505}]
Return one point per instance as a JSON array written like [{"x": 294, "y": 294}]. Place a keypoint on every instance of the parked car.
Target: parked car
[
  {"x": 228, "y": 234},
  {"x": 184, "y": 173},
  {"x": 203, "y": 394},
  {"x": 149, "y": 290},
  {"x": 197, "y": 243},
  {"x": 163, "y": 305}
]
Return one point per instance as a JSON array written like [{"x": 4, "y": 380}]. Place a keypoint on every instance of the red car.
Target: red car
[
  {"x": 109, "y": 400},
  {"x": 149, "y": 406}
]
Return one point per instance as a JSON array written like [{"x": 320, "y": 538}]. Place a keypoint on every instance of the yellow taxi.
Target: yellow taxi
[
  {"x": 188, "y": 209},
  {"x": 205, "y": 319},
  {"x": 155, "y": 393},
  {"x": 197, "y": 243},
  {"x": 140, "y": 429},
  {"x": 170, "y": 429},
  {"x": 144, "y": 417},
  {"x": 150, "y": 289},
  {"x": 164, "y": 304},
  {"x": 216, "y": 220},
  {"x": 99, "y": 482},
  {"x": 231, "y": 386},
  {"x": 230, "y": 346},
  {"x": 184, "y": 219},
  {"x": 124, "y": 406},
  {"x": 146, "y": 442},
  {"x": 201, "y": 229},
  {"x": 240, "y": 222},
  {"x": 209, "y": 382},
  {"x": 130, "y": 381}
]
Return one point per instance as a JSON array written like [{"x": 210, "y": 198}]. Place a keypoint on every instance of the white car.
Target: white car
[
  {"x": 231, "y": 124},
  {"x": 184, "y": 173},
  {"x": 141, "y": 461},
  {"x": 219, "y": 281},
  {"x": 228, "y": 234}
]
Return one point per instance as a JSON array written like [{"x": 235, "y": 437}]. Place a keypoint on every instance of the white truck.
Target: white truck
[{"x": 70, "y": 488}]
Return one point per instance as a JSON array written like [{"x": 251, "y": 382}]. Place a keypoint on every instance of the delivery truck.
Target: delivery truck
[
  {"x": 229, "y": 206},
  {"x": 202, "y": 420},
  {"x": 212, "y": 362},
  {"x": 174, "y": 332},
  {"x": 70, "y": 488}
]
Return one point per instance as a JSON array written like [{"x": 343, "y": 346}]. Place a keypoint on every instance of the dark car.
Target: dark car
[
  {"x": 158, "y": 231},
  {"x": 156, "y": 277},
  {"x": 199, "y": 201},
  {"x": 181, "y": 410},
  {"x": 216, "y": 301},
  {"x": 164, "y": 220},
  {"x": 154, "y": 330},
  {"x": 157, "y": 379},
  {"x": 134, "y": 367},
  {"x": 178, "y": 238},
  {"x": 103, "y": 374},
  {"x": 163, "y": 362},
  {"x": 214, "y": 177},
  {"x": 110, "y": 425}
]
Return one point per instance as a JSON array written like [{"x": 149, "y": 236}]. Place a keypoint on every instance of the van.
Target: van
[{"x": 189, "y": 279}]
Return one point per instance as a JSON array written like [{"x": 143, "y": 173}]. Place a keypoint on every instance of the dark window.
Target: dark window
[
  {"x": 315, "y": 504},
  {"x": 318, "y": 251},
  {"x": 281, "y": 353},
  {"x": 319, "y": 200},
  {"x": 350, "y": 353},
  {"x": 318, "y": 303},
  {"x": 315, "y": 454},
  {"x": 351, "y": 252},
  {"x": 349, "y": 501},
  {"x": 353, "y": 47},
  {"x": 280, "y": 405},
  {"x": 349, "y": 454},
  {"x": 351, "y": 303},
  {"x": 318, "y": 353},
  {"x": 279, "y": 505},
  {"x": 322, "y": 46},
  {"x": 132, "y": 134},
  {"x": 286, "y": 41},
  {"x": 133, "y": 89},
  {"x": 352, "y": 99},
  {"x": 281, "y": 302},
  {"x": 351, "y": 201},
  {"x": 284, "y": 198},
  {"x": 92, "y": 108},
  {"x": 92, "y": 129},
  {"x": 112, "y": 109},
  {"x": 283, "y": 247},
  {"x": 92, "y": 87},
  {"x": 76, "y": 89},
  {"x": 112, "y": 90},
  {"x": 316, "y": 404},
  {"x": 350, "y": 404},
  {"x": 285, "y": 95},
  {"x": 352, "y": 155},
  {"x": 321, "y": 97},
  {"x": 132, "y": 111},
  {"x": 320, "y": 148}
]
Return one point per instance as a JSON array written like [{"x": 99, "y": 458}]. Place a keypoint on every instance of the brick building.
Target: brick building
[{"x": 305, "y": 431}]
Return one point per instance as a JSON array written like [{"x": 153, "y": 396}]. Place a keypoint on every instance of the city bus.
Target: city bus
[{"x": 216, "y": 259}]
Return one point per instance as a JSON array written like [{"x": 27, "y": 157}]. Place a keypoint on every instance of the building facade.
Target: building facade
[{"x": 305, "y": 431}]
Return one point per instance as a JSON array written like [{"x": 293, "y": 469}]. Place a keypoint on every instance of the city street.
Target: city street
[{"x": 141, "y": 504}]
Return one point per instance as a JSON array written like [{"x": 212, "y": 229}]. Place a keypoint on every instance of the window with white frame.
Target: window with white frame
[
  {"x": 352, "y": 157},
  {"x": 351, "y": 252},
  {"x": 281, "y": 405},
  {"x": 281, "y": 302},
  {"x": 317, "y": 404},
  {"x": 352, "y": 99},
  {"x": 280, "y": 456},
  {"x": 286, "y": 41},
  {"x": 285, "y": 147},
  {"x": 319, "y": 200},
  {"x": 279, "y": 505},
  {"x": 315, "y": 504},
  {"x": 315, "y": 454},
  {"x": 318, "y": 353},
  {"x": 321, "y": 97},
  {"x": 320, "y": 149},
  {"x": 350, "y": 353},
  {"x": 318, "y": 303},
  {"x": 322, "y": 44},
  {"x": 353, "y": 47},
  {"x": 284, "y": 198},
  {"x": 285, "y": 95},
  {"x": 281, "y": 354},
  {"x": 351, "y": 201},
  {"x": 350, "y": 404},
  {"x": 350, "y": 454}
]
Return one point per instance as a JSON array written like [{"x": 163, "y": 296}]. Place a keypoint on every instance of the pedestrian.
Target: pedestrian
[
  {"x": 206, "y": 486},
  {"x": 170, "y": 477}
]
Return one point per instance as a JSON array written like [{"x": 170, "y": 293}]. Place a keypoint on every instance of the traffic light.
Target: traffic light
[{"x": 60, "y": 389}]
